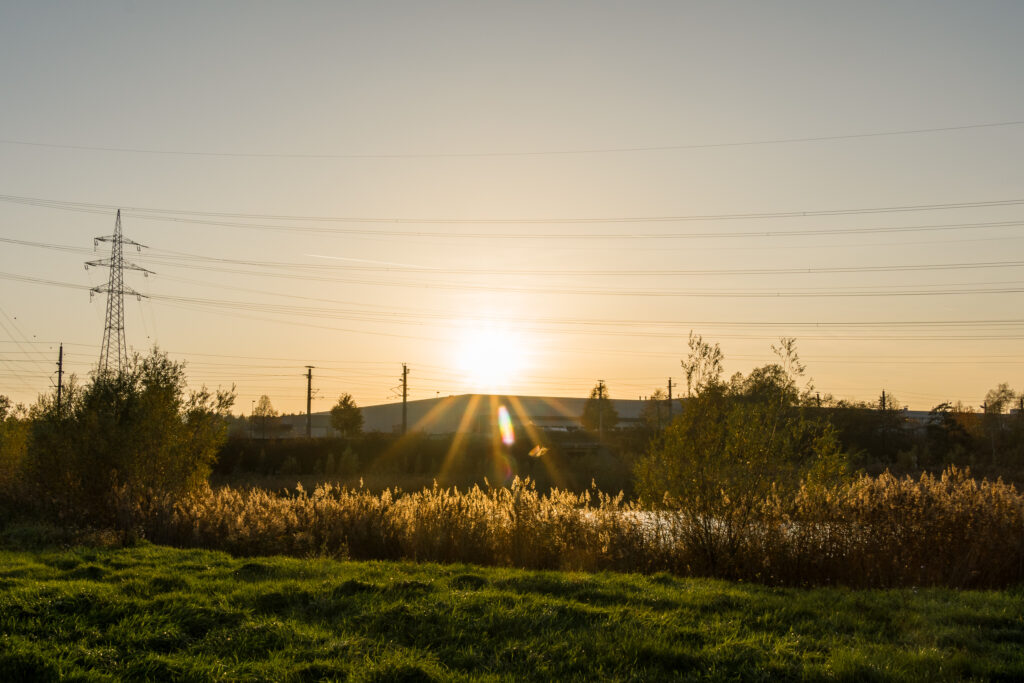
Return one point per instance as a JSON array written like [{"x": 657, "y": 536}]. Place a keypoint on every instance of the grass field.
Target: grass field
[{"x": 157, "y": 613}]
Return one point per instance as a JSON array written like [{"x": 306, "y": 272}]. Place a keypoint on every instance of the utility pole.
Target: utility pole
[
  {"x": 60, "y": 377},
  {"x": 405, "y": 398},
  {"x": 309, "y": 401},
  {"x": 114, "y": 352},
  {"x": 670, "y": 399},
  {"x": 883, "y": 400},
  {"x": 600, "y": 408}
]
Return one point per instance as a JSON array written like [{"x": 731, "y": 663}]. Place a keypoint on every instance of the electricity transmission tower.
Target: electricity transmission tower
[{"x": 114, "y": 351}]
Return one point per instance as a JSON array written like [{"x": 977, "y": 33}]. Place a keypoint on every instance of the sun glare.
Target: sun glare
[{"x": 490, "y": 358}]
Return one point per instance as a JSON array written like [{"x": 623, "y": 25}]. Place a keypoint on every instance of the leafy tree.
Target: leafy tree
[
  {"x": 999, "y": 400},
  {"x": 124, "y": 436},
  {"x": 654, "y": 414},
  {"x": 346, "y": 417},
  {"x": 13, "y": 442},
  {"x": 946, "y": 433},
  {"x": 264, "y": 415},
  {"x": 736, "y": 444},
  {"x": 874, "y": 436},
  {"x": 599, "y": 413},
  {"x": 998, "y": 430}
]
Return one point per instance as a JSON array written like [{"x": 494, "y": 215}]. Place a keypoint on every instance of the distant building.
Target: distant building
[{"x": 465, "y": 413}]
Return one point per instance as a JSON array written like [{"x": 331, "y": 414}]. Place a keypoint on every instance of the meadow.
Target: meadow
[
  {"x": 157, "y": 613},
  {"x": 749, "y": 549}
]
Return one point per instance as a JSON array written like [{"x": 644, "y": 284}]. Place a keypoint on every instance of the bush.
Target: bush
[
  {"x": 14, "y": 429},
  {"x": 735, "y": 446},
  {"x": 123, "y": 436}
]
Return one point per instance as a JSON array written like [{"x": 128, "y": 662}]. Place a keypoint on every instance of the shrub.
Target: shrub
[
  {"x": 736, "y": 445},
  {"x": 14, "y": 430},
  {"x": 123, "y": 436}
]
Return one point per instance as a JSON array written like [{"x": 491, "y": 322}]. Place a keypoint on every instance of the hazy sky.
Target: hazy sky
[{"x": 358, "y": 185}]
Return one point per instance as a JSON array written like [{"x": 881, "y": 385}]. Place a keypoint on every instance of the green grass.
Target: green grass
[{"x": 155, "y": 613}]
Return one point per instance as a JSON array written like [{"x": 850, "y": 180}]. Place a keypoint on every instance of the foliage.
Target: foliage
[
  {"x": 152, "y": 613},
  {"x": 873, "y": 434},
  {"x": 654, "y": 415},
  {"x": 124, "y": 435},
  {"x": 735, "y": 445},
  {"x": 346, "y": 416},
  {"x": 264, "y": 416},
  {"x": 880, "y": 436},
  {"x": 1000, "y": 399},
  {"x": 14, "y": 428},
  {"x": 703, "y": 365},
  {"x": 599, "y": 414}
]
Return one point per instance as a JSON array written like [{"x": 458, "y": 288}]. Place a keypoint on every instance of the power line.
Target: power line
[
  {"x": 808, "y": 270},
  {"x": 169, "y": 215},
  {"x": 175, "y": 258},
  {"x": 493, "y": 154},
  {"x": 233, "y": 307}
]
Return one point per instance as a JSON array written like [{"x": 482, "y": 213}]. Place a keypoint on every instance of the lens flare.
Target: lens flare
[{"x": 508, "y": 435}]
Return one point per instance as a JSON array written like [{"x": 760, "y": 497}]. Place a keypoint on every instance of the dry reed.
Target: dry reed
[{"x": 876, "y": 531}]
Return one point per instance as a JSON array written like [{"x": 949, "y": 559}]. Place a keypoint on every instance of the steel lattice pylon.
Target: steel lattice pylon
[{"x": 114, "y": 351}]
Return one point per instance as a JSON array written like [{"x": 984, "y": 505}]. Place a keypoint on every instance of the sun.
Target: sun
[{"x": 489, "y": 358}]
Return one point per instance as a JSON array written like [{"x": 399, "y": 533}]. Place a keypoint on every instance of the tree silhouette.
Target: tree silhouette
[
  {"x": 598, "y": 412},
  {"x": 346, "y": 416},
  {"x": 263, "y": 414}
]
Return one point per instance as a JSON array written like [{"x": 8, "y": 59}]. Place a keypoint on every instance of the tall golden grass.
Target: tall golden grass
[{"x": 876, "y": 531}]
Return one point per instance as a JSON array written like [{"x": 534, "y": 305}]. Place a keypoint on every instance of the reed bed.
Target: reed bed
[{"x": 881, "y": 531}]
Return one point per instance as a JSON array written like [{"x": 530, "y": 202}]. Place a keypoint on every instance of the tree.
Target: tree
[
  {"x": 654, "y": 414},
  {"x": 263, "y": 415},
  {"x": 346, "y": 417},
  {"x": 999, "y": 400},
  {"x": 737, "y": 444},
  {"x": 703, "y": 365},
  {"x": 947, "y": 436},
  {"x": 996, "y": 428},
  {"x": 123, "y": 437},
  {"x": 13, "y": 443},
  {"x": 598, "y": 412}
]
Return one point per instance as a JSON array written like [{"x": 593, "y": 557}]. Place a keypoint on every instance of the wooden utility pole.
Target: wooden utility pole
[
  {"x": 669, "y": 399},
  {"x": 600, "y": 408},
  {"x": 309, "y": 401},
  {"x": 405, "y": 398},
  {"x": 60, "y": 378}
]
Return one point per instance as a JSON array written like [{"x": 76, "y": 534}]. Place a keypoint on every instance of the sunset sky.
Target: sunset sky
[{"x": 519, "y": 197}]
